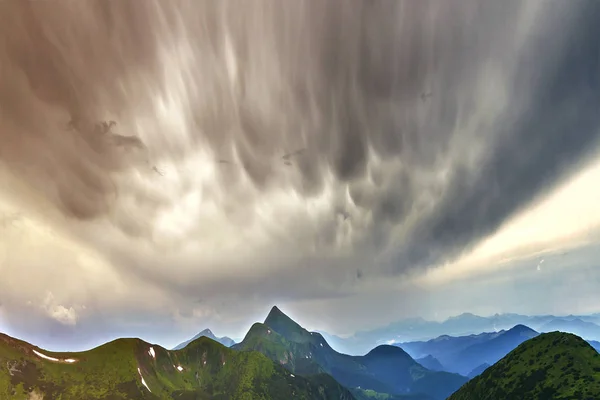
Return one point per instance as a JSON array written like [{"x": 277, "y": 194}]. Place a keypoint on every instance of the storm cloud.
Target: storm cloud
[{"x": 416, "y": 129}]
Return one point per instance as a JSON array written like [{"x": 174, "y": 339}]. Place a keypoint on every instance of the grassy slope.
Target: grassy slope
[
  {"x": 387, "y": 369},
  {"x": 551, "y": 366},
  {"x": 109, "y": 372}
]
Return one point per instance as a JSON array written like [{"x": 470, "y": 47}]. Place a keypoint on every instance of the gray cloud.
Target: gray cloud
[
  {"x": 552, "y": 132},
  {"x": 426, "y": 126}
]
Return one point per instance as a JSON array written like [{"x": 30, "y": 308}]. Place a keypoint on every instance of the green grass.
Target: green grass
[
  {"x": 110, "y": 372},
  {"x": 553, "y": 365}
]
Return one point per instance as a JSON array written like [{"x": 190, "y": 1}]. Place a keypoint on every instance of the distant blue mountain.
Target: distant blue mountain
[
  {"x": 431, "y": 363},
  {"x": 225, "y": 341},
  {"x": 464, "y": 354},
  {"x": 595, "y": 345},
  {"x": 445, "y": 346},
  {"x": 418, "y": 329},
  {"x": 577, "y": 326},
  {"x": 478, "y": 370},
  {"x": 491, "y": 351}
]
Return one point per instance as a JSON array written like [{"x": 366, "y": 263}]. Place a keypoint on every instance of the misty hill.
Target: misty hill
[
  {"x": 478, "y": 370},
  {"x": 489, "y": 352},
  {"x": 225, "y": 341},
  {"x": 418, "y": 329},
  {"x": 576, "y": 326},
  {"x": 550, "y": 366},
  {"x": 463, "y": 354},
  {"x": 385, "y": 369},
  {"x": 131, "y": 369},
  {"x": 445, "y": 347},
  {"x": 595, "y": 345},
  {"x": 431, "y": 363}
]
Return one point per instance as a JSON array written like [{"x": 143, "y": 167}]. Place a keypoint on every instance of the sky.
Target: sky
[{"x": 168, "y": 167}]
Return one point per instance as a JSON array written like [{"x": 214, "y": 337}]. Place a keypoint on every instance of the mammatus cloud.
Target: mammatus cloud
[{"x": 424, "y": 126}]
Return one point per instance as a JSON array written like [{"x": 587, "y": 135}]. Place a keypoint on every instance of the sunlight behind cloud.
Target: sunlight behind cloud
[{"x": 565, "y": 218}]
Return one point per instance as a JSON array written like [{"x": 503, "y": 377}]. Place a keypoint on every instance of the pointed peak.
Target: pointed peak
[
  {"x": 281, "y": 323},
  {"x": 275, "y": 311},
  {"x": 207, "y": 332},
  {"x": 276, "y": 314}
]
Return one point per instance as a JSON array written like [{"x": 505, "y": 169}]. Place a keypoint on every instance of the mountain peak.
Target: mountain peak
[
  {"x": 277, "y": 317},
  {"x": 225, "y": 341},
  {"x": 275, "y": 311},
  {"x": 386, "y": 350},
  {"x": 522, "y": 330},
  {"x": 284, "y": 325}
]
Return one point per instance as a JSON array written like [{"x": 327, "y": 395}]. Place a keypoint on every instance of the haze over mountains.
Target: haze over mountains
[
  {"x": 278, "y": 359},
  {"x": 467, "y": 353},
  {"x": 418, "y": 329}
]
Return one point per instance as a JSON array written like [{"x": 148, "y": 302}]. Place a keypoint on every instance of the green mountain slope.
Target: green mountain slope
[
  {"x": 386, "y": 369},
  {"x": 133, "y": 369},
  {"x": 550, "y": 366}
]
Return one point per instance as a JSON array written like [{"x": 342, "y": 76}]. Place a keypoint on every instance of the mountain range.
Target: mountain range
[
  {"x": 225, "y": 341},
  {"x": 133, "y": 369},
  {"x": 279, "y": 359},
  {"x": 385, "y": 369},
  {"x": 464, "y": 354},
  {"x": 419, "y": 329}
]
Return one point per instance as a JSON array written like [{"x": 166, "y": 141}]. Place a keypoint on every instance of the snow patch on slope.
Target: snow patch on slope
[
  {"x": 68, "y": 360},
  {"x": 143, "y": 381},
  {"x": 45, "y": 356}
]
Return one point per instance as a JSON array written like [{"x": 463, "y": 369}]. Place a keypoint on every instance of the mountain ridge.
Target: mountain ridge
[
  {"x": 463, "y": 354},
  {"x": 130, "y": 368},
  {"x": 419, "y": 329},
  {"x": 286, "y": 342}
]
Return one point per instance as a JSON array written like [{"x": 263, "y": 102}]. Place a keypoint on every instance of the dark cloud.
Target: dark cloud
[
  {"x": 64, "y": 63},
  {"x": 557, "y": 128},
  {"x": 430, "y": 122}
]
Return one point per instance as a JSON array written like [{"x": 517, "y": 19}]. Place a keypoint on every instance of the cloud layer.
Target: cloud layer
[{"x": 423, "y": 127}]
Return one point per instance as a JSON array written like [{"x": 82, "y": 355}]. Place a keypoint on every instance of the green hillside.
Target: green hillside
[
  {"x": 551, "y": 366},
  {"x": 204, "y": 369},
  {"x": 385, "y": 370}
]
